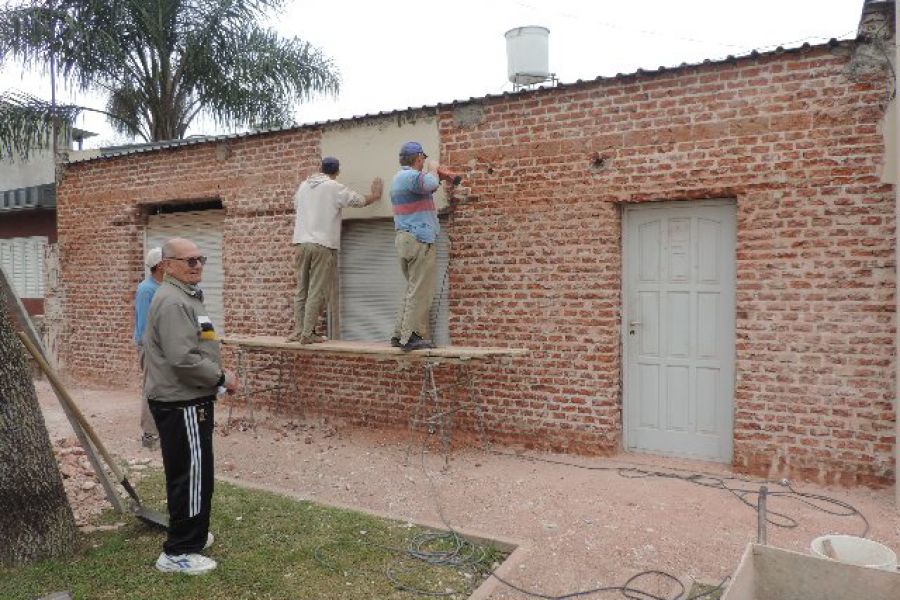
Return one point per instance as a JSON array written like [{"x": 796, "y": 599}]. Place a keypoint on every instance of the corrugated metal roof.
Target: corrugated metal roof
[{"x": 116, "y": 151}]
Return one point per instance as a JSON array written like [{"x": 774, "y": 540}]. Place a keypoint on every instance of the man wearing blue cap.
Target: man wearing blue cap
[
  {"x": 417, "y": 226},
  {"x": 317, "y": 238}
]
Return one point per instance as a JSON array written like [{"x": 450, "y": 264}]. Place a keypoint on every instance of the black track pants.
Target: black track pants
[{"x": 185, "y": 438}]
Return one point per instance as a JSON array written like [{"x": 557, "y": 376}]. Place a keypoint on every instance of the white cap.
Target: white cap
[{"x": 154, "y": 257}]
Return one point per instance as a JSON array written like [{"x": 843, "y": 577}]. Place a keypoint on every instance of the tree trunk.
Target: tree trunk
[{"x": 36, "y": 521}]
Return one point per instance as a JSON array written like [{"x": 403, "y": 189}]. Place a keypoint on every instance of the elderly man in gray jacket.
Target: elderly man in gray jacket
[{"x": 183, "y": 374}]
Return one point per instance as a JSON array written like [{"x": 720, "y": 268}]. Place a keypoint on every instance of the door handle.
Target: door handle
[{"x": 634, "y": 323}]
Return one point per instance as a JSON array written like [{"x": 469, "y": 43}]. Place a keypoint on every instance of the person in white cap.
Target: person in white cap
[{"x": 142, "y": 299}]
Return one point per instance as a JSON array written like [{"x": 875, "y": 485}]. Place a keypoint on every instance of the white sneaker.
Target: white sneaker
[
  {"x": 190, "y": 564},
  {"x": 210, "y": 538}
]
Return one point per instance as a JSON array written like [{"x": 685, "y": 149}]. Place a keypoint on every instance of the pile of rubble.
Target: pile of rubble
[{"x": 83, "y": 488}]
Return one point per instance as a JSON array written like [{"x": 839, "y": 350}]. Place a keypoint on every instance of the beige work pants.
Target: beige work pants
[
  {"x": 148, "y": 425},
  {"x": 418, "y": 262},
  {"x": 315, "y": 267}
]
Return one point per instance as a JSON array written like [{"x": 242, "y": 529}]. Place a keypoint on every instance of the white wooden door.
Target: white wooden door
[
  {"x": 678, "y": 328},
  {"x": 204, "y": 227}
]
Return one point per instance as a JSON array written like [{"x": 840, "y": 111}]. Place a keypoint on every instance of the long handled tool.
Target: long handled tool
[
  {"x": 143, "y": 513},
  {"x": 15, "y": 303}
]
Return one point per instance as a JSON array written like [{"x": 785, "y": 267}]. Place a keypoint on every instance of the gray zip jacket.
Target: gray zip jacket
[{"x": 181, "y": 348}]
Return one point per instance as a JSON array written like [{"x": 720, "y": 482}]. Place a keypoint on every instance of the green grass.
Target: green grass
[
  {"x": 267, "y": 546},
  {"x": 712, "y": 592}
]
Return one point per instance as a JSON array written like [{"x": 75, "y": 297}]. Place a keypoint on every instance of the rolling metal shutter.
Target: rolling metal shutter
[
  {"x": 371, "y": 283},
  {"x": 23, "y": 261},
  {"x": 204, "y": 227}
]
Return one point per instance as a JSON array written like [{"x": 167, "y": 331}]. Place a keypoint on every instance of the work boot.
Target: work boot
[
  {"x": 294, "y": 337},
  {"x": 395, "y": 342},
  {"x": 150, "y": 441},
  {"x": 415, "y": 342},
  {"x": 313, "y": 339}
]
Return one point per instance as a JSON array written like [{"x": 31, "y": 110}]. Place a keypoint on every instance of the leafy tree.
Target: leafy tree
[
  {"x": 26, "y": 122},
  {"x": 36, "y": 520},
  {"x": 160, "y": 64}
]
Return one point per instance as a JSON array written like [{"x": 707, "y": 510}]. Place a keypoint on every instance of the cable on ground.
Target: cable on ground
[{"x": 819, "y": 502}]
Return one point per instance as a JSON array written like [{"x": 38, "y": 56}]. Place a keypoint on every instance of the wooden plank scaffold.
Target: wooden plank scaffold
[{"x": 426, "y": 413}]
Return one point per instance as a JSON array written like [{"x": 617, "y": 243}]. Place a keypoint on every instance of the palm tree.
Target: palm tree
[{"x": 160, "y": 64}]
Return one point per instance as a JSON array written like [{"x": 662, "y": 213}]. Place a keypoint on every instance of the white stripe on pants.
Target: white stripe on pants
[{"x": 193, "y": 436}]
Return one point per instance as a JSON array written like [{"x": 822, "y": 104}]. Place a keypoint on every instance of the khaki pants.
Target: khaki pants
[
  {"x": 418, "y": 262},
  {"x": 148, "y": 425},
  {"x": 315, "y": 266}
]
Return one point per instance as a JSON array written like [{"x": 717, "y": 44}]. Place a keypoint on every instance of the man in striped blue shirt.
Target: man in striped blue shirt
[{"x": 417, "y": 226}]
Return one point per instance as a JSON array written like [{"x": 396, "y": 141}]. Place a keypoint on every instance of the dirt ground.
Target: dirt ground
[{"x": 576, "y": 528}]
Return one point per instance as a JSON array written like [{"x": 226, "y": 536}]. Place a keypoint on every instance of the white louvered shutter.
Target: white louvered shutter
[
  {"x": 372, "y": 284},
  {"x": 204, "y": 227},
  {"x": 23, "y": 261}
]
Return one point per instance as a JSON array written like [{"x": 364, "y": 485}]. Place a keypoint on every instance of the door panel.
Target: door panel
[
  {"x": 648, "y": 391},
  {"x": 679, "y": 328}
]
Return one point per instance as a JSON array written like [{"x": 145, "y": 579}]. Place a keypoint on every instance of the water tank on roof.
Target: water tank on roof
[{"x": 526, "y": 54}]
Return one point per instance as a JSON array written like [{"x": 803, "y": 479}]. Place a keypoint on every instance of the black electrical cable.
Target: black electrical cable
[
  {"x": 464, "y": 556},
  {"x": 452, "y": 201},
  {"x": 626, "y": 589},
  {"x": 817, "y": 502}
]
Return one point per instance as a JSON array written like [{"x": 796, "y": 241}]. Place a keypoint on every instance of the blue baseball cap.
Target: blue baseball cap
[
  {"x": 330, "y": 164},
  {"x": 411, "y": 149}
]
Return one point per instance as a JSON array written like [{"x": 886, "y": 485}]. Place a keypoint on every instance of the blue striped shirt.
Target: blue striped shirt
[{"x": 413, "y": 205}]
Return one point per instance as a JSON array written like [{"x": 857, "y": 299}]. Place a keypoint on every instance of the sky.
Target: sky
[{"x": 393, "y": 55}]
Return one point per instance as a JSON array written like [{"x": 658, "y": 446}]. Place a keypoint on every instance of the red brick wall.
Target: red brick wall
[
  {"x": 536, "y": 254},
  {"x": 102, "y": 207},
  {"x": 794, "y": 141}
]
